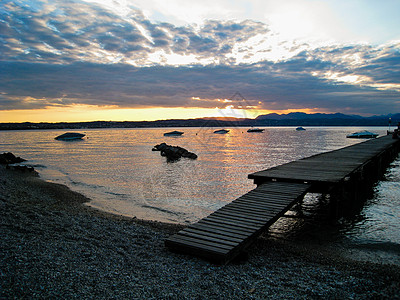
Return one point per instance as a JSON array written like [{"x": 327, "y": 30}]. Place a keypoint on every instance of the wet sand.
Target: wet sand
[{"x": 54, "y": 246}]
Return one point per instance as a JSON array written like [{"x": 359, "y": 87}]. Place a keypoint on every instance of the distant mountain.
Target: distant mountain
[
  {"x": 320, "y": 119},
  {"x": 220, "y": 119},
  {"x": 392, "y": 116},
  {"x": 304, "y": 116}
]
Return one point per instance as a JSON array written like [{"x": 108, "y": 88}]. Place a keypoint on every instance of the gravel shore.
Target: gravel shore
[{"x": 53, "y": 246}]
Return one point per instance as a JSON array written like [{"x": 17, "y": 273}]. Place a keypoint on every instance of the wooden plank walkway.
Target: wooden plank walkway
[
  {"x": 225, "y": 233},
  {"x": 330, "y": 167}
]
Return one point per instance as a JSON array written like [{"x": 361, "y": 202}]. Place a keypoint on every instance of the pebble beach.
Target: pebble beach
[{"x": 54, "y": 246}]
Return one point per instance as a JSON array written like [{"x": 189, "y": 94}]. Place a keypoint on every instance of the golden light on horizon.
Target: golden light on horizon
[{"x": 86, "y": 113}]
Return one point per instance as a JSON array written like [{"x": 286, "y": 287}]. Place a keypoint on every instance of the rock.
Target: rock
[
  {"x": 189, "y": 155},
  {"x": 9, "y": 158},
  {"x": 11, "y": 161},
  {"x": 173, "y": 153},
  {"x": 22, "y": 168},
  {"x": 160, "y": 147}
]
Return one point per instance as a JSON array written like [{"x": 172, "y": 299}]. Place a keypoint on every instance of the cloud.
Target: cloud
[
  {"x": 63, "y": 53},
  {"x": 72, "y": 31}
]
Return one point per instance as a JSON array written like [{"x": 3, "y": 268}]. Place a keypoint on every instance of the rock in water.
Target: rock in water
[
  {"x": 9, "y": 158},
  {"x": 173, "y": 153}
]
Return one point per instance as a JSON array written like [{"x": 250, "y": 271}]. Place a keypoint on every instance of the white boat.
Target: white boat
[
  {"x": 69, "y": 136},
  {"x": 362, "y": 135},
  {"x": 300, "y": 128},
  {"x": 173, "y": 133},
  {"x": 255, "y": 130},
  {"x": 221, "y": 131}
]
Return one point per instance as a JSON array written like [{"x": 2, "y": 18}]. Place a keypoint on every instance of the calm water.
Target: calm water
[{"x": 118, "y": 171}]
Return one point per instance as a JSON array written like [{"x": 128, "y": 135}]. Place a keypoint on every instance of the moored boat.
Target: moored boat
[
  {"x": 362, "y": 135},
  {"x": 69, "y": 136},
  {"x": 255, "y": 130},
  {"x": 173, "y": 133},
  {"x": 221, "y": 131},
  {"x": 300, "y": 128}
]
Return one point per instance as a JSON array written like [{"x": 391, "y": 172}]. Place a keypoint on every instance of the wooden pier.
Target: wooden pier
[{"x": 221, "y": 236}]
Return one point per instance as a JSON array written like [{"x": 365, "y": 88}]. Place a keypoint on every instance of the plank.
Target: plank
[
  {"x": 266, "y": 194},
  {"x": 225, "y": 226},
  {"x": 266, "y": 209},
  {"x": 310, "y": 173},
  {"x": 175, "y": 240},
  {"x": 218, "y": 247},
  {"x": 259, "y": 196},
  {"x": 338, "y": 168},
  {"x": 280, "y": 187},
  {"x": 302, "y": 176},
  {"x": 244, "y": 207},
  {"x": 247, "y": 211},
  {"x": 255, "y": 206},
  {"x": 238, "y": 224},
  {"x": 221, "y": 230},
  {"x": 236, "y": 218},
  {"x": 208, "y": 238},
  {"x": 265, "y": 202},
  {"x": 214, "y": 234}
]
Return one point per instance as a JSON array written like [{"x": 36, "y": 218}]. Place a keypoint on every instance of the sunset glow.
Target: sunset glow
[
  {"x": 88, "y": 113},
  {"x": 133, "y": 60}
]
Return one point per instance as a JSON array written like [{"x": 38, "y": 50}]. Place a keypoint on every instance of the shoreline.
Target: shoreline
[{"x": 53, "y": 245}]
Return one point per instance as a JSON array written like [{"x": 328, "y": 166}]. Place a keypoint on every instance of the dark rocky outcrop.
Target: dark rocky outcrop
[
  {"x": 9, "y": 158},
  {"x": 22, "y": 168},
  {"x": 11, "y": 161},
  {"x": 173, "y": 153}
]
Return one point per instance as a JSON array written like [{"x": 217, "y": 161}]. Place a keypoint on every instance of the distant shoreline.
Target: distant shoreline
[
  {"x": 270, "y": 120},
  {"x": 181, "y": 123}
]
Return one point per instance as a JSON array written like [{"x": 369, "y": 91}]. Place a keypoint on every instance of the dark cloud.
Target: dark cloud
[
  {"x": 128, "y": 86},
  {"x": 75, "y": 53}
]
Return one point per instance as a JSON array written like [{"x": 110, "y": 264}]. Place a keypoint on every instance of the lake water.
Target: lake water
[{"x": 118, "y": 171}]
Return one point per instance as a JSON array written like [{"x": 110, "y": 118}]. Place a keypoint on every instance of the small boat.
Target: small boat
[
  {"x": 255, "y": 130},
  {"x": 173, "y": 133},
  {"x": 300, "y": 128},
  {"x": 69, "y": 136},
  {"x": 221, "y": 131},
  {"x": 362, "y": 135}
]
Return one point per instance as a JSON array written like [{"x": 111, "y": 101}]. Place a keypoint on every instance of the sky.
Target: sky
[{"x": 131, "y": 60}]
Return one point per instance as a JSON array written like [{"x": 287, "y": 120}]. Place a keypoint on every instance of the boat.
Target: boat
[
  {"x": 173, "y": 133},
  {"x": 362, "y": 135},
  {"x": 300, "y": 128},
  {"x": 221, "y": 131},
  {"x": 69, "y": 136},
  {"x": 255, "y": 130}
]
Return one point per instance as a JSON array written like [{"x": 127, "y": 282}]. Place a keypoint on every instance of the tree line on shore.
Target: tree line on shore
[{"x": 291, "y": 119}]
